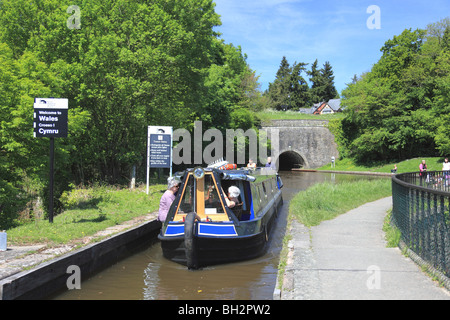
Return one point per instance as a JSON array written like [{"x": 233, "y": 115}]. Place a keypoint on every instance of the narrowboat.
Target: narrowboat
[{"x": 202, "y": 230}]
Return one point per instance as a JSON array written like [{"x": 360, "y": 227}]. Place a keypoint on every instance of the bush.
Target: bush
[{"x": 83, "y": 198}]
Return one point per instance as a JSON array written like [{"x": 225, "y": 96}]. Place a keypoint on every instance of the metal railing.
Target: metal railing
[{"x": 421, "y": 210}]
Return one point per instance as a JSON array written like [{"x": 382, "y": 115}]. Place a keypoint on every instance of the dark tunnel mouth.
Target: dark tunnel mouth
[{"x": 289, "y": 160}]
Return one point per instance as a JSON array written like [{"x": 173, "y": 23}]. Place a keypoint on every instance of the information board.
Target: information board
[
  {"x": 160, "y": 150},
  {"x": 50, "y": 117}
]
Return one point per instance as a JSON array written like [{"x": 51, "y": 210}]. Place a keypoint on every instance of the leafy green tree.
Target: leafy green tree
[
  {"x": 391, "y": 107},
  {"x": 398, "y": 54},
  {"x": 23, "y": 158},
  {"x": 231, "y": 93},
  {"x": 230, "y": 85},
  {"x": 130, "y": 64},
  {"x": 8, "y": 97},
  {"x": 440, "y": 59}
]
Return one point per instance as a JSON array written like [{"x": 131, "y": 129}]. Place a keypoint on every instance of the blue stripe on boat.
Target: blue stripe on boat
[
  {"x": 217, "y": 230},
  {"x": 174, "y": 230}
]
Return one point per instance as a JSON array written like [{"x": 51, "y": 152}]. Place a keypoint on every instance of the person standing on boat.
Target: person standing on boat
[
  {"x": 168, "y": 197},
  {"x": 233, "y": 194}
]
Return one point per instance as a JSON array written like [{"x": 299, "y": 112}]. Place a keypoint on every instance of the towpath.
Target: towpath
[{"x": 347, "y": 259}]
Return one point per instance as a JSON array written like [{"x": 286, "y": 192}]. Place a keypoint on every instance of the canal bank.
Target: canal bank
[
  {"x": 366, "y": 173},
  {"x": 36, "y": 271},
  {"x": 347, "y": 259},
  {"x": 148, "y": 276}
]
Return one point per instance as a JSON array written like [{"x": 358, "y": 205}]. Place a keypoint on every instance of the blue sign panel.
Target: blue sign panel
[{"x": 160, "y": 150}]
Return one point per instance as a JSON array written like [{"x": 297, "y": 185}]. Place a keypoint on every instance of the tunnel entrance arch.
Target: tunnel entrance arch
[
  {"x": 289, "y": 160},
  {"x": 308, "y": 144}
]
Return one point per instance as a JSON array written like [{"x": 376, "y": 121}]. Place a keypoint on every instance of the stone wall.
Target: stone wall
[{"x": 309, "y": 139}]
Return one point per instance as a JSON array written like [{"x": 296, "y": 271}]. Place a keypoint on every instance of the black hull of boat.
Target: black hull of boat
[
  {"x": 211, "y": 251},
  {"x": 214, "y": 251}
]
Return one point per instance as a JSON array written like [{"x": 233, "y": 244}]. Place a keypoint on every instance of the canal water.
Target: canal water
[{"x": 147, "y": 275}]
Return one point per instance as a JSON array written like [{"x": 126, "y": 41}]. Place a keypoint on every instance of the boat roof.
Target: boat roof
[{"x": 245, "y": 174}]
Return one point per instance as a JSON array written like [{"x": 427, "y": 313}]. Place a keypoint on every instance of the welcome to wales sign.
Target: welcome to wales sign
[{"x": 50, "y": 117}]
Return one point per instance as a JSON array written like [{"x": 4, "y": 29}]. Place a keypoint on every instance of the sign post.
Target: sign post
[
  {"x": 159, "y": 149},
  {"x": 52, "y": 176},
  {"x": 50, "y": 121}
]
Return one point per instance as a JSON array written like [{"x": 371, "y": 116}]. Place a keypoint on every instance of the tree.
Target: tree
[
  {"x": 314, "y": 78},
  {"x": 446, "y": 39},
  {"x": 231, "y": 93},
  {"x": 23, "y": 158},
  {"x": 398, "y": 54},
  {"x": 322, "y": 88},
  {"x": 289, "y": 90},
  {"x": 299, "y": 89},
  {"x": 279, "y": 90},
  {"x": 391, "y": 108},
  {"x": 441, "y": 92},
  {"x": 328, "y": 88},
  {"x": 8, "y": 97},
  {"x": 133, "y": 63}
]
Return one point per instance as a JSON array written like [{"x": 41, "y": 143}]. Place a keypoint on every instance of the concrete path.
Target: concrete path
[{"x": 346, "y": 259}]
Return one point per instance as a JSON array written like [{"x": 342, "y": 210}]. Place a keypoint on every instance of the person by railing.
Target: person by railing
[
  {"x": 423, "y": 171},
  {"x": 421, "y": 211},
  {"x": 446, "y": 170}
]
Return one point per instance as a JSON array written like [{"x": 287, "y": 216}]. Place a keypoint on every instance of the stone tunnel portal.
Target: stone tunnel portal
[{"x": 290, "y": 160}]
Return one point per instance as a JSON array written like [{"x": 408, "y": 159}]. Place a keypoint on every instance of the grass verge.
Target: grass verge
[
  {"x": 411, "y": 165},
  {"x": 270, "y": 114},
  {"x": 326, "y": 201},
  {"x": 89, "y": 211},
  {"x": 391, "y": 232}
]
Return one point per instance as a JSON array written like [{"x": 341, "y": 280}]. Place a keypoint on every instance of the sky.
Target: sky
[{"x": 347, "y": 33}]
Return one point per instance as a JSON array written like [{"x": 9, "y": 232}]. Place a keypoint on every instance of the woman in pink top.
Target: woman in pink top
[
  {"x": 167, "y": 198},
  {"x": 423, "y": 172}
]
